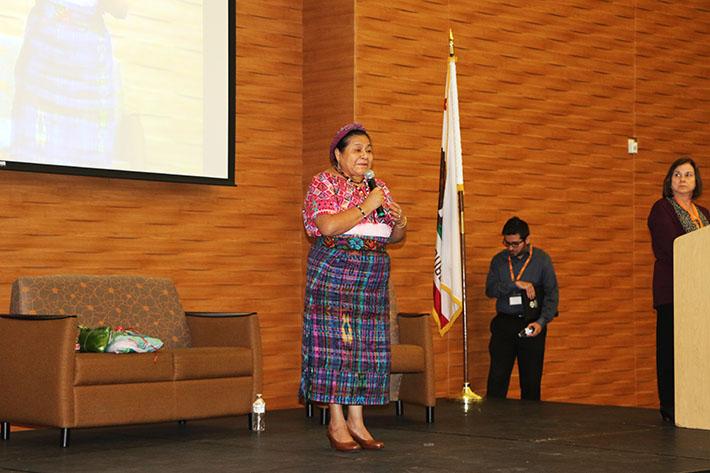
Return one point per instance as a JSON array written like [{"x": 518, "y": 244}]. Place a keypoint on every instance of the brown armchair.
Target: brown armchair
[
  {"x": 210, "y": 365},
  {"x": 413, "y": 359}
]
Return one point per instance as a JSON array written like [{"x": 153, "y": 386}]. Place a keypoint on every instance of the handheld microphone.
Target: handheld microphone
[{"x": 370, "y": 178}]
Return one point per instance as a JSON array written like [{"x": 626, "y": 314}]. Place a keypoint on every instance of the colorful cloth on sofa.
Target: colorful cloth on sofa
[
  {"x": 93, "y": 339},
  {"x": 128, "y": 341},
  {"x": 119, "y": 340},
  {"x": 346, "y": 340}
]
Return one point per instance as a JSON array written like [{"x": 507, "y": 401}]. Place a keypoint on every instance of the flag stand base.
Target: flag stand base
[{"x": 468, "y": 397}]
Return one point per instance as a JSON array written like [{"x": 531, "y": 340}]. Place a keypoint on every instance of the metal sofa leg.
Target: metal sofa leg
[
  {"x": 324, "y": 416},
  {"x": 309, "y": 409},
  {"x": 399, "y": 408},
  {"x": 429, "y": 414},
  {"x": 64, "y": 438},
  {"x": 5, "y": 430}
]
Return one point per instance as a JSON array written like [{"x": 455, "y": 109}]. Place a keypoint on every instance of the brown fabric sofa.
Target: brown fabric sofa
[{"x": 210, "y": 365}]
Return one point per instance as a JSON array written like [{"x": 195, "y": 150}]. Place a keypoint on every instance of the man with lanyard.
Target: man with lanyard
[{"x": 524, "y": 284}]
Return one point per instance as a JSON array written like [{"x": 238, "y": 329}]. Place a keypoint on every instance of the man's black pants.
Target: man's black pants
[{"x": 505, "y": 346}]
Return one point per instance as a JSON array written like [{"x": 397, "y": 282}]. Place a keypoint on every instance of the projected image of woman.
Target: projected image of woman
[
  {"x": 65, "y": 105},
  {"x": 346, "y": 340}
]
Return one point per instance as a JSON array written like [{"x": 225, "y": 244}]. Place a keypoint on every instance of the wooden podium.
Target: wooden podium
[{"x": 691, "y": 275}]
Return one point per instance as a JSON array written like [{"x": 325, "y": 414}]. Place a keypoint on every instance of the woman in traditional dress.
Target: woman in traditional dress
[
  {"x": 346, "y": 338},
  {"x": 673, "y": 215}
]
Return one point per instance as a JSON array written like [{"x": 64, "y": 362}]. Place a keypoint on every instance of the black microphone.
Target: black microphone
[{"x": 370, "y": 177}]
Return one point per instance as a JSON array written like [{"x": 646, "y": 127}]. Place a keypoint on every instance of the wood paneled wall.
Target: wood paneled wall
[
  {"x": 328, "y": 79},
  {"x": 549, "y": 93}
]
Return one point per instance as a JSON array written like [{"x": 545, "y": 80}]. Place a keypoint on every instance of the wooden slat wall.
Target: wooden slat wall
[
  {"x": 328, "y": 78},
  {"x": 549, "y": 93}
]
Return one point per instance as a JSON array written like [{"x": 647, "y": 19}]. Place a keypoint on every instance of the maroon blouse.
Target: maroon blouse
[{"x": 665, "y": 228}]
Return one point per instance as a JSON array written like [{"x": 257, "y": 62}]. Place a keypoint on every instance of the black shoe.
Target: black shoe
[{"x": 667, "y": 416}]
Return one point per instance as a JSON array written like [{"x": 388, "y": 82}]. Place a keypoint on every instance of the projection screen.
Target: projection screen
[{"x": 139, "y": 89}]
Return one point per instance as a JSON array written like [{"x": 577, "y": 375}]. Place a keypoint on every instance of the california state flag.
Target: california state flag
[{"x": 448, "y": 284}]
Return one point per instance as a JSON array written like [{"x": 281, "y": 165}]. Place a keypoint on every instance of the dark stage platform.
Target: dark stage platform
[{"x": 495, "y": 436}]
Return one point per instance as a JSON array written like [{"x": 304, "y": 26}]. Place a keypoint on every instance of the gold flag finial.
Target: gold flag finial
[{"x": 451, "y": 43}]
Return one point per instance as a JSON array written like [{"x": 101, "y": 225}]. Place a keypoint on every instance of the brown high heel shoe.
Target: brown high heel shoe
[
  {"x": 367, "y": 444},
  {"x": 342, "y": 446}
]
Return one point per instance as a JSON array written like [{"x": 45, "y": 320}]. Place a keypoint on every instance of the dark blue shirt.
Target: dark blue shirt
[{"x": 539, "y": 272}]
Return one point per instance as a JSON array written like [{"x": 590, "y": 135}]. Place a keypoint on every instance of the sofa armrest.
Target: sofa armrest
[
  {"x": 415, "y": 329},
  {"x": 37, "y": 369},
  {"x": 229, "y": 329}
]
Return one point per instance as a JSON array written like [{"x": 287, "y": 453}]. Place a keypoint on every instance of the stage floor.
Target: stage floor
[{"x": 494, "y": 436}]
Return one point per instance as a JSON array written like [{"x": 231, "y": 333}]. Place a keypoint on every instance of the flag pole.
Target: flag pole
[{"x": 467, "y": 394}]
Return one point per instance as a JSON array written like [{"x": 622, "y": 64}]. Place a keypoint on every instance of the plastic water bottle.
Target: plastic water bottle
[{"x": 258, "y": 414}]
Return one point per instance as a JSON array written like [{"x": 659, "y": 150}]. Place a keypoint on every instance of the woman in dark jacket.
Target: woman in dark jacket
[{"x": 675, "y": 214}]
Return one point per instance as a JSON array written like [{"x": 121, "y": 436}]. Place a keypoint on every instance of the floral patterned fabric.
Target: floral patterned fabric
[
  {"x": 329, "y": 194},
  {"x": 354, "y": 244},
  {"x": 149, "y": 305},
  {"x": 686, "y": 221}
]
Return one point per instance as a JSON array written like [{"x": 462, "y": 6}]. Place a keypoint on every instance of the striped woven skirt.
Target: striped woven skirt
[{"x": 346, "y": 333}]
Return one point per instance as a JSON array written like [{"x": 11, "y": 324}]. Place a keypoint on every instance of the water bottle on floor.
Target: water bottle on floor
[{"x": 258, "y": 414}]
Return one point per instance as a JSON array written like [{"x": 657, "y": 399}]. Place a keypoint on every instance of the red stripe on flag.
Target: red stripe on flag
[{"x": 437, "y": 301}]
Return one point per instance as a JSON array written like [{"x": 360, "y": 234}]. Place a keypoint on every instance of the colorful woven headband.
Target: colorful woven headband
[{"x": 341, "y": 133}]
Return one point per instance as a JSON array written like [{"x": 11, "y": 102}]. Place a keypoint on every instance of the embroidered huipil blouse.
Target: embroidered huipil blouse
[{"x": 331, "y": 194}]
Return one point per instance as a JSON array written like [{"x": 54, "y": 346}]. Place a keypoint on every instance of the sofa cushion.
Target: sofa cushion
[
  {"x": 144, "y": 304},
  {"x": 125, "y": 368},
  {"x": 212, "y": 362},
  {"x": 407, "y": 358}
]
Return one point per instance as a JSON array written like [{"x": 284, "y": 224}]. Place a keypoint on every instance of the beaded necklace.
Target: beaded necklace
[{"x": 348, "y": 178}]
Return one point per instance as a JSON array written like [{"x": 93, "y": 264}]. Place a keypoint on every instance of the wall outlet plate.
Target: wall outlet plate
[{"x": 633, "y": 146}]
